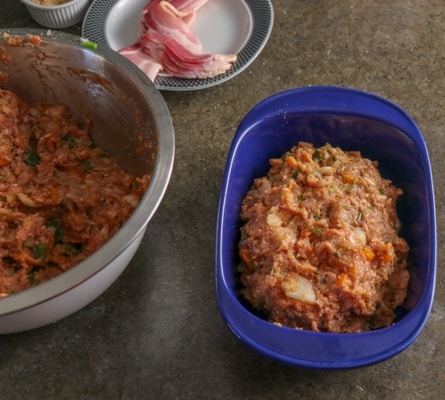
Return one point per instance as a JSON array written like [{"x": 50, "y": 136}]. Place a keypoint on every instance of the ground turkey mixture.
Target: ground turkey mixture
[
  {"x": 61, "y": 197},
  {"x": 319, "y": 246}
]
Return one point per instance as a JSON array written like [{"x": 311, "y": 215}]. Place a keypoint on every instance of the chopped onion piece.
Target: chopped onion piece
[
  {"x": 273, "y": 219},
  {"x": 300, "y": 288}
]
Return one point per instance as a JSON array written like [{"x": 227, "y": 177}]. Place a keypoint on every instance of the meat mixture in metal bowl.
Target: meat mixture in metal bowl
[
  {"x": 61, "y": 197},
  {"x": 319, "y": 247}
]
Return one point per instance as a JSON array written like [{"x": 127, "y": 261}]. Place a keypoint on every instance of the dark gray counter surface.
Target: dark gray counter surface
[{"x": 157, "y": 332}]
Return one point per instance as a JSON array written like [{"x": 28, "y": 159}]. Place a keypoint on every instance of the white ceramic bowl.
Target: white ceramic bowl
[
  {"x": 58, "y": 17},
  {"x": 112, "y": 89}
]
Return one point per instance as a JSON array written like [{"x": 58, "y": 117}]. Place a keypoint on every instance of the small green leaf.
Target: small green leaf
[
  {"x": 58, "y": 231},
  {"x": 88, "y": 44},
  {"x": 39, "y": 250},
  {"x": 31, "y": 158},
  {"x": 72, "y": 143},
  {"x": 32, "y": 278},
  {"x": 316, "y": 230}
]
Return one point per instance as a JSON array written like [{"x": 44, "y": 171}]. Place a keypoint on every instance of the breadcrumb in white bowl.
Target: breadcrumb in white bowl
[{"x": 57, "y": 14}]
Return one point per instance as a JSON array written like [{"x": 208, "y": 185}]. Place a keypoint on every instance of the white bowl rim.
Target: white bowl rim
[{"x": 69, "y": 3}]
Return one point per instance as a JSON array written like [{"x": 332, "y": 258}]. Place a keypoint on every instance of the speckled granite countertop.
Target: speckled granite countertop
[{"x": 157, "y": 333}]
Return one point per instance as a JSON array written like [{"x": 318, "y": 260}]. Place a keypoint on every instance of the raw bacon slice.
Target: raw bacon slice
[
  {"x": 167, "y": 19},
  {"x": 185, "y": 8},
  {"x": 168, "y": 44},
  {"x": 188, "y": 8},
  {"x": 147, "y": 64},
  {"x": 178, "y": 61}
]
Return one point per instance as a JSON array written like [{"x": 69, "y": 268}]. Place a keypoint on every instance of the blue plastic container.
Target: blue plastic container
[{"x": 352, "y": 120}]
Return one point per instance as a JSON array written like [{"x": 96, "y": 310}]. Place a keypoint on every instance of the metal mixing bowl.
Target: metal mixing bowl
[{"x": 124, "y": 106}]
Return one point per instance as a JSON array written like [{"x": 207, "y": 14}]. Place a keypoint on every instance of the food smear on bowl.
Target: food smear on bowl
[
  {"x": 320, "y": 248},
  {"x": 50, "y": 2},
  {"x": 167, "y": 43},
  {"x": 61, "y": 197}
]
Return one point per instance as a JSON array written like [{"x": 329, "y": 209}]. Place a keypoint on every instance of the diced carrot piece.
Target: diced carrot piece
[
  {"x": 388, "y": 253},
  {"x": 4, "y": 160},
  {"x": 341, "y": 279},
  {"x": 291, "y": 161},
  {"x": 276, "y": 162},
  {"x": 245, "y": 257},
  {"x": 347, "y": 177},
  {"x": 368, "y": 253}
]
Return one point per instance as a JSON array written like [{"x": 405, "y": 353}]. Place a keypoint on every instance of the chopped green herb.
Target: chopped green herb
[
  {"x": 72, "y": 249},
  {"x": 88, "y": 44},
  {"x": 88, "y": 165},
  {"x": 316, "y": 230},
  {"x": 318, "y": 155},
  {"x": 39, "y": 250},
  {"x": 32, "y": 278},
  {"x": 31, "y": 158},
  {"x": 72, "y": 143},
  {"x": 58, "y": 232}
]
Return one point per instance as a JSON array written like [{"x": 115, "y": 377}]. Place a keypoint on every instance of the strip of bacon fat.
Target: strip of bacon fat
[
  {"x": 178, "y": 61},
  {"x": 137, "y": 56},
  {"x": 188, "y": 8},
  {"x": 185, "y": 9},
  {"x": 167, "y": 19},
  {"x": 168, "y": 44}
]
